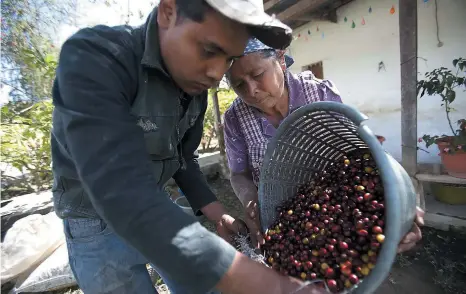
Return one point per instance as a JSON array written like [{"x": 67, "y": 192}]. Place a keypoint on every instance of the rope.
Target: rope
[{"x": 440, "y": 43}]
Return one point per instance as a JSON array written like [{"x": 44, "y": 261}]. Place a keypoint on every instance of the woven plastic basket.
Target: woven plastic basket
[{"x": 309, "y": 140}]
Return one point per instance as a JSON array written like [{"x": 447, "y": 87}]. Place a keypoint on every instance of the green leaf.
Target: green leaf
[
  {"x": 455, "y": 62},
  {"x": 450, "y": 95},
  {"x": 450, "y": 80},
  {"x": 423, "y": 91}
]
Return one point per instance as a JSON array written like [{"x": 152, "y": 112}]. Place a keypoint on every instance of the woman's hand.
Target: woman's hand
[
  {"x": 252, "y": 222},
  {"x": 415, "y": 235}
]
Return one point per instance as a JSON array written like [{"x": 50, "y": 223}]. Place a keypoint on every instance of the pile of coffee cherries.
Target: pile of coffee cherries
[{"x": 333, "y": 228}]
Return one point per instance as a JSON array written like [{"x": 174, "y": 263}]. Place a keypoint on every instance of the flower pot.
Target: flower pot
[
  {"x": 449, "y": 193},
  {"x": 381, "y": 139},
  {"x": 454, "y": 162}
]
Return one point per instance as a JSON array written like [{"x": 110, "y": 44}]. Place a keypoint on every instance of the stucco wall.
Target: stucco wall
[{"x": 351, "y": 59}]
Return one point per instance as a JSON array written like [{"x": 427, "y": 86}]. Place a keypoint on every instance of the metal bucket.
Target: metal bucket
[{"x": 183, "y": 203}]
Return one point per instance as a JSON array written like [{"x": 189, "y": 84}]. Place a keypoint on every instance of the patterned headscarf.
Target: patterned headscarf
[{"x": 255, "y": 45}]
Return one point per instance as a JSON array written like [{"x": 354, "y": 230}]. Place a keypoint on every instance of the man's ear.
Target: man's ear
[{"x": 166, "y": 13}]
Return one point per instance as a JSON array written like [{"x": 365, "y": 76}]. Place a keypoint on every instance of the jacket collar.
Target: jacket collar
[{"x": 152, "y": 56}]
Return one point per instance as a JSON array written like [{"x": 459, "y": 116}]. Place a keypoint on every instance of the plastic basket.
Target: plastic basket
[{"x": 311, "y": 138}]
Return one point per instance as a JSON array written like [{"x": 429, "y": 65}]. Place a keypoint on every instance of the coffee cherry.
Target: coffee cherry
[
  {"x": 380, "y": 238},
  {"x": 333, "y": 228}
]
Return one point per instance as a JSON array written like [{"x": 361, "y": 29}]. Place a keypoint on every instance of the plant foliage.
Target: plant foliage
[{"x": 445, "y": 83}]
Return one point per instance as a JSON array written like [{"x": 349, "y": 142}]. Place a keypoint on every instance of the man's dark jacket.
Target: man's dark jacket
[{"x": 121, "y": 129}]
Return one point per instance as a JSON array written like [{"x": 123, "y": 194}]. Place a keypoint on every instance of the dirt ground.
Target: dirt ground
[{"x": 437, "y": 265}]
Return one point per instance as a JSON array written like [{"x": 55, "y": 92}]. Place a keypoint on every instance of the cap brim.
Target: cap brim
[{"x": 269, "y": 30}]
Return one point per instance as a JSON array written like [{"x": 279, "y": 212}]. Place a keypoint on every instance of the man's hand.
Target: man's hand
[
  {"x": 253, "y": 223},
  {"x": 228, "y": 227},
  {"x": 415, "y": 235},
  {"x": 246, "y": 276}
]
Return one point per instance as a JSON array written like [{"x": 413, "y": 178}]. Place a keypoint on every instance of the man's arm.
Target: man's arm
[
  {"x": 94, "y": 84},
  {"x": 191, "y": 180}
]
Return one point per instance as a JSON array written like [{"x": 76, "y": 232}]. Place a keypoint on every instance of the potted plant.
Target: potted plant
[{"x": 452, "y": 147}]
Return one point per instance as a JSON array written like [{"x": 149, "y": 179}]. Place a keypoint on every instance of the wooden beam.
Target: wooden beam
[
  {"x": 332, "y": 16},
  {"x": 224, "y": 170},
  {"x": 306, "y": 18},
  {"x": 269, "y": 4},
  {"x": 408, "y": 64},
  {"x": 326, "y": 16},
  {"x": 303, "y": 6}
]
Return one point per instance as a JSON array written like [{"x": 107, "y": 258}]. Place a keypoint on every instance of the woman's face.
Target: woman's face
[{"x": 258, "y": 80}]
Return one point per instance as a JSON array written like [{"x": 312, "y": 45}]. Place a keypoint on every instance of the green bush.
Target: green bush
[
  {"x": 225, "y": 98},
  {"x": 25, "y": 145}
]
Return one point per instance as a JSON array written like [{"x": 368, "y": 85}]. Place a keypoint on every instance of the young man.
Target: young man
[{"x": 129, "y": 108}]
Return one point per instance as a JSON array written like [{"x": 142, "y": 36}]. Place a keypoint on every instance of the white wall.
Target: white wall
[{"x": 351, "y": 56}]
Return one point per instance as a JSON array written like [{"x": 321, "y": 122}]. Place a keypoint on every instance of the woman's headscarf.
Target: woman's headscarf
[{"x": 254, "y": 45}]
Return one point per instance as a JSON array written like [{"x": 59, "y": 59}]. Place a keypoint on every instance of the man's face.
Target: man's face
[{"x": 197, "y": 55}]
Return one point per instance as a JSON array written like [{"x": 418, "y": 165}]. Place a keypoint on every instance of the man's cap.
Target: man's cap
[{"x": 264, "y": 27}]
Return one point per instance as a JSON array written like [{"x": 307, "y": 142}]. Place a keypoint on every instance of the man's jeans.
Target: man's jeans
[{"x": 102, "y": 263}]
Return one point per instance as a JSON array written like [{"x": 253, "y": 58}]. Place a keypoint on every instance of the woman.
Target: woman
[{"x": 267, "y": 94}]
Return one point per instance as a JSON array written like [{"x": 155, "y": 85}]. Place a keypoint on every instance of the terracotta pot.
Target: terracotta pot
[{"x": 454, "y": 163}]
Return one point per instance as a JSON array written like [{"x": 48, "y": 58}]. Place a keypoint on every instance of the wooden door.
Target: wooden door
[{"x": 316, "y": 68}]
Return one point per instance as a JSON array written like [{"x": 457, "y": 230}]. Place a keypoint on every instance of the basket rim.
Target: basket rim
[{"x": 388, "y": 252}]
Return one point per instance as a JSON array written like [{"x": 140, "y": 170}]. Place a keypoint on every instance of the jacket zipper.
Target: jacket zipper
[{"x": 181, "y": 159}]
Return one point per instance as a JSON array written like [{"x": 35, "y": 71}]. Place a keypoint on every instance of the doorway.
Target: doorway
[{"x": 316, "y": 68}]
